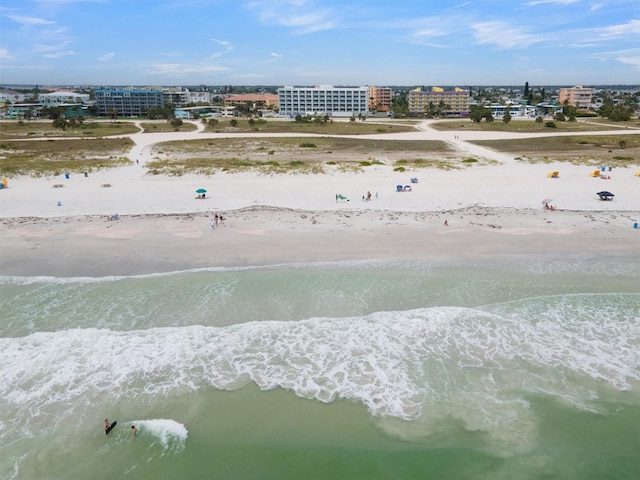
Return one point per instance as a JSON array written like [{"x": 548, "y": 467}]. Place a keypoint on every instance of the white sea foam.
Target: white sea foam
[
  {"x": 475, "y": 365},
  {"x": 171, "y": 435}
]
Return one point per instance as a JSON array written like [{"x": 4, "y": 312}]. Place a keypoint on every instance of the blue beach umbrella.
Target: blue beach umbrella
[{"x": 201, "y": 190}]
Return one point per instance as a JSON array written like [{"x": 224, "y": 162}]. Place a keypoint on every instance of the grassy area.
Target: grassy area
[
  {"x": 299, "y": 155},
  {"x": 164, "y": 126},
  {"x": 42, "y": 129},
  {"x": 331, "y": 128},
  {"x": 581, "y": 150},
  {"x": 530, "y": 126},
  {"x": 53, "y": 157}
]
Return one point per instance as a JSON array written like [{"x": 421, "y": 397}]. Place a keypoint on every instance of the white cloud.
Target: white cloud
[
  {"x": 274, "y": 57},
  {"x": 554, "y": 2},
  {"x": 5, "y": 54},
  {"x": 297, "y": 15},
  {"x": 185, "y": 68},
  {"x": 106, "y": 57},
  {"x": 632, "y": 27},
  {"x": 59, "y": 54},
  {"x": 629, "y": 56},
  {"x": 630, "y": 60},
  {"x": 503, "y": 35},
  {"x": 251, "y": 75},
  {"x": 226, "y": 45},
  {"x": 29, "y": 21},
  {"x": 53, "y": 51}
]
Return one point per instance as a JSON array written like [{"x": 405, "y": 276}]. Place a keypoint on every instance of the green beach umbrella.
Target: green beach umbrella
[{"x": 201, "y": 190}]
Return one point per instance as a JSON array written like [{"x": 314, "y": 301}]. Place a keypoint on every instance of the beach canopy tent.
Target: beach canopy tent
[
  {"x": 595, "y": 173},
  {"x": 554, "y": 174},
  {"x": 604, "y": 195}
]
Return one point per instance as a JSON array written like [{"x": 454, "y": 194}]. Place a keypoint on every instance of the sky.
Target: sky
[{"x": 320, "y": 42}]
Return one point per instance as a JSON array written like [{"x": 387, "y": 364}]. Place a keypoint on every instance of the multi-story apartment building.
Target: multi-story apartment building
[
  {"x": 380, "y": 98},
  {"x": 578, "y": 96},
  {"x": 323, "y": 100},
  {"x": 200, "y": 97},
  {"x": 178, "y": 96},
  {"x": 11, "y": 96},
  {"x": 252, "y": 100},
  {"x": 62, "y": 98},
  {"x": 128, "y": 102},
  {"x": 456, "y": 102}
]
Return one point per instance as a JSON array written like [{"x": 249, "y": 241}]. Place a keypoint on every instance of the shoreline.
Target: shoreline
[
  {"x": 91, "y": 246},
  {"x": 491, "y": 210}
]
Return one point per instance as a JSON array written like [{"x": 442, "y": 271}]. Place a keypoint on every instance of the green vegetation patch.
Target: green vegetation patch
[
  {"x": 579, "y": 149},
  {"x": 282, "y": 155},
  {"x": 427, "y": 163},
  {"x": 53, "y": 157},
  {"x": 164, "y": 126},
  {"x": 44, "y": 128},
  {"x": 526, "y": 126},
  {"x": 230, "y": 165},
  {"x": 291, "y": 126}
]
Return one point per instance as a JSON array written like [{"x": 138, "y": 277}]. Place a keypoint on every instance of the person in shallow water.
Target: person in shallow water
[
  {"x": 134, "y": 431},
  {"x": 106, "y": 424}
]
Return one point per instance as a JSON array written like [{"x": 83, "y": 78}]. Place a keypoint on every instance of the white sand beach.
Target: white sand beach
[{"x": 271, "y": 219}]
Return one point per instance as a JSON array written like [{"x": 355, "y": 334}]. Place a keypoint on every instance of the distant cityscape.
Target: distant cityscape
[{"x": 26, "y": 102}]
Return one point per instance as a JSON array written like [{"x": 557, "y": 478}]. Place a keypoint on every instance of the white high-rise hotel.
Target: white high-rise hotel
[{"x": 323, "y": 100}]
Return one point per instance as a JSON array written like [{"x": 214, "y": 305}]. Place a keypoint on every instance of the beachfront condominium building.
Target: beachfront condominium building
[
  {"x": 578, "y": 96},
  {"x": 252, "y": 101},
  {"x": 447, "y": 103},
  {"x": 323, "y": 100},
  {"x": 380, "y": 98},
  {"x": 128, "y": 102}
]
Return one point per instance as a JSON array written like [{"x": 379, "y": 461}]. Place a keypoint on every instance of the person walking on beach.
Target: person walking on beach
[
  {"x": 216, "y": 219},
  {"x": 212, "y": 223},
  {"x": 368, "y": 196}
]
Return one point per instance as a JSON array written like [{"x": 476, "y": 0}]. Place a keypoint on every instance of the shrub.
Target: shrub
[
  {"x": 308, "y": 145},
  {"x": 550, "y": 124}
]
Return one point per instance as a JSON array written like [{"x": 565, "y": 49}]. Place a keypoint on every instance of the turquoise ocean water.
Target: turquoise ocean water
[{"x": 509, "y": 368}]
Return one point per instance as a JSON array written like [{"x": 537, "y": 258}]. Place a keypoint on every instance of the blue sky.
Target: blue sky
[{"x": 310, "y": 42}]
